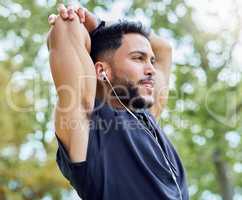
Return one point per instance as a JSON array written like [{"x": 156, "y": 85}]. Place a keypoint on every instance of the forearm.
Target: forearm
[
  {"x": 163, "y": 54},
  {"x": 75, "y": 80},
  {"x": 70, "y": 62}
]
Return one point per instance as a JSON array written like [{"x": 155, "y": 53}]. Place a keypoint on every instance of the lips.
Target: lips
[{"x": 148, "y": 83}]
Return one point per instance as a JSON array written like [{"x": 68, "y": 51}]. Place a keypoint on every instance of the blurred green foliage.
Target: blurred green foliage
[{"x": 203, "y": 117}]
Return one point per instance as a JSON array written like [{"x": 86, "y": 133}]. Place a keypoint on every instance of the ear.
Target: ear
[{"x": 102, "y": 66}]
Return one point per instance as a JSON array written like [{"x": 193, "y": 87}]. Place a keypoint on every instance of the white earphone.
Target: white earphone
[{"x": 103, "y": 77}]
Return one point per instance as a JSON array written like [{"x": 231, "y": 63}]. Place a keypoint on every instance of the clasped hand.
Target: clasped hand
[{"x": 89, "y": 20}]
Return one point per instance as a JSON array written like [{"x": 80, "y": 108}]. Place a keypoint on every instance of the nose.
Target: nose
[{"x": 150, "y": 69}]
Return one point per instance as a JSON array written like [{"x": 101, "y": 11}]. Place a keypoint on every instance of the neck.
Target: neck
[
  {"x": 101, "y": 94},
  {"x": 104, "y": 95}
]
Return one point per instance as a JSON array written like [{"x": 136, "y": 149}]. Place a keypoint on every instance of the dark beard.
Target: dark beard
[{"x": 129, "y": 95}]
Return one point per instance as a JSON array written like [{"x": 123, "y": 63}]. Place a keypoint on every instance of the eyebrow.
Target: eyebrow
[{"x": 142, "y": 53}]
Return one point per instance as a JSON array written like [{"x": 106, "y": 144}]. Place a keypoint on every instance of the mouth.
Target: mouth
[{"x": 148, "y": 83}]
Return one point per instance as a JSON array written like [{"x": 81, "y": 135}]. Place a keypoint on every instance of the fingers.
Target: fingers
[
  {"x": 51, "y": 19},
  {"x": 68, "y": 13},
  {"x": 81, "y": 12},
  {"x": 71, "y": 12},
  {"x": 62, "y": 11}
]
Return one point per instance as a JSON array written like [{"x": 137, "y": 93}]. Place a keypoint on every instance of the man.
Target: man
[{"x": 107, "y": 78}]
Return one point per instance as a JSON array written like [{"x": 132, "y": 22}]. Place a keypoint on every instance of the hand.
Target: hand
[
  {"x": 67, "y": 13},
  {"x": 88, "y": 19}
]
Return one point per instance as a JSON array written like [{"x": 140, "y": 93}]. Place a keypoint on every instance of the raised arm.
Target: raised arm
[
  {"x": 163, "y": 54},
  {"x": 74, "y": 76}
]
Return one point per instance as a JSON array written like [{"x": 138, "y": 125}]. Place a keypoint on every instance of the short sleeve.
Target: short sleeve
[{"x": 76, "y": 173}]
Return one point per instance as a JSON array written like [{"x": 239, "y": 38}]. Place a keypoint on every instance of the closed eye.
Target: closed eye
[{"x": 138, "y": 58}]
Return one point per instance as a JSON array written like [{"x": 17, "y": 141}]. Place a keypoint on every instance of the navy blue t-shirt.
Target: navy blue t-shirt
[{"x": 124, "y": 161}]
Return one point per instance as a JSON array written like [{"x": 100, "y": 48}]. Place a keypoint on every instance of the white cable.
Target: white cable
[
  {"x": 163, "y": 154},
  {"x": 119, "y": 98}
]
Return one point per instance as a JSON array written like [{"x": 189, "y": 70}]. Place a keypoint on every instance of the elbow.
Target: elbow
[
  {"x": 165, "y": 45},
  {"x": 168, "y": 47}
]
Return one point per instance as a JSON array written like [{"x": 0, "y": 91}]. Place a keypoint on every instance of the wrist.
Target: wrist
[{"x": 101, "y": 24}]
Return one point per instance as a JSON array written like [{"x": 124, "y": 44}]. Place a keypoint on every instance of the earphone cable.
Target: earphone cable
[{"x": 150, "y": 134}]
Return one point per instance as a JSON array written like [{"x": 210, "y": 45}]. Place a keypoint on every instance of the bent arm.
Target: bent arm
[
  {"x": 163, "y": 55},
  {"x": 74, "y": 76}
]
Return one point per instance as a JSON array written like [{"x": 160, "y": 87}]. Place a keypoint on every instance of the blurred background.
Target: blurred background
[{"x": 203, "y": 117}]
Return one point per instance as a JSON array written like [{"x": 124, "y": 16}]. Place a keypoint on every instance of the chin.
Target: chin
[
  {"x": 149, "y": 100},
  {"x": 143, "y": 98},
  {"x": 139, "y": 97},
  {"x": 141, "y": 102}
]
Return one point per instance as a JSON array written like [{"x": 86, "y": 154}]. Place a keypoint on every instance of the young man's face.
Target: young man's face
[{"x": 133, "y": 71}]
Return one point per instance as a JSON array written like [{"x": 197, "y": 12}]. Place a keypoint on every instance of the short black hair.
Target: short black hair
[{"x": 109, "y": 38}]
